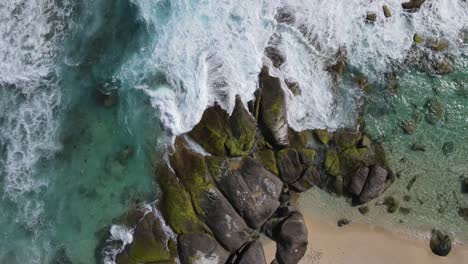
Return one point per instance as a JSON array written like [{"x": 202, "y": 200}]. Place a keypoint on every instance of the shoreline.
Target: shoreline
[{"x": 358, "y": 242}]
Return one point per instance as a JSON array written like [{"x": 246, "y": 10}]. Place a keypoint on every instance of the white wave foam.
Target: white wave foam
[
  {"x": 29, "y": 94},
  {"x": 212, "y": 50}
]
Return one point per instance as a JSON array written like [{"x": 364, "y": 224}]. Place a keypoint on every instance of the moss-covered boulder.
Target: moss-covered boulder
[
  {"x": 310, "y": 178},
  {"x": 272, "y": 111},
  {"x": 176, "y": 203},
  {"x": 346, "y": 138},
  {"x": 307, "y": 157},
  {"x": 413, "y": 4},
  {"x": 268, "y": 159},
  {"x": 211, "y": 131},
  {"x": 418, "y": 39},
  {"x": 242, "y": 130},
  {"x": 299, "y": 139},
  {"x": 332, "y": 163},
  {"x": 150, "y": 244},
  {"x": 386, "y": 10},
  {"x": 440, "y": 44},
  {"x": 322, "y": 135}
]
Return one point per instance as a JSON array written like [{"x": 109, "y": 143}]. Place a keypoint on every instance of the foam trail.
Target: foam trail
[{"x": 209, "y": 51}]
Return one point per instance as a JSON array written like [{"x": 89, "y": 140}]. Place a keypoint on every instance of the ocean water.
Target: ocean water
[{"x": 91, "y": 91}]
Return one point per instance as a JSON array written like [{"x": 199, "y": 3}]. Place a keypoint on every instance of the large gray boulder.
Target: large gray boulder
[
  {"x": 251, "y": 189},
  {"x": 272, "y": 114},
  {"x": 200, "y": 248},
  {"x": 374, "y": 185},
  {"x": 358, "y": 181},
  {"x": 289, "y": 165},
  {"x": 291, "y": 239},
  {"x": 252, "y": 253}
]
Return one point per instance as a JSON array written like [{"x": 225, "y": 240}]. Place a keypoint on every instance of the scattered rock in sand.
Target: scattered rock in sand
[
  {"x": 343, "y": 222},
  {"x": 448, "y": 148},
  {"x": 440, "y": 243},
  {"x": 386, "y": 10},
  {"x": 412, "y": 5},
  {"x": 392, "y": 204},
  {"x": 418, "y": 147}
]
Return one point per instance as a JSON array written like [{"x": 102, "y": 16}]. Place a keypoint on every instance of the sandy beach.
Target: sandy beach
[{"x": 358, "y": 243}]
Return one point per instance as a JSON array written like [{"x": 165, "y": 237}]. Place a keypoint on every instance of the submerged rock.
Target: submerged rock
[
  {"x": 409, "y": 126},
  {"x": 463, "y": 212},
  {"x": 440, "y": 243},
  {"x": 419, "y": 147},
  {"x": 443, "y": 67},
  {"x": 293, "y": 87},
  {"x": 272, "y": 114},
  {"x": 392, "y": 204},
  {"x": 448, "y": 148},
  {"x": 440, "y": 45},
  {"x": 374, "y": 184},
  {"x": 285, "y": 15},
  {"x": 200, "y": 248},
  {"x": 435, "y": 110},
  {"x": 413, "y": 4},
  {"x": 251, "y": 253}
]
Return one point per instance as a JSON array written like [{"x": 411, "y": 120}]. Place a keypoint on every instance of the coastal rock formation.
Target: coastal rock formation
[{"x": 240, "y": 178}]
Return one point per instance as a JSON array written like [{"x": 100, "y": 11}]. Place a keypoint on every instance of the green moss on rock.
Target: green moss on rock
[
  {"x": 267, "y": 158},
  {"x": 332, "y": 162},
  {"x": 307, "y": 157},
  {"x": 347, "y": 138},
  {"x": 299, "y": 139},
  {"x": 242, "y": 131},
  {"x": 322, "y": 135}
]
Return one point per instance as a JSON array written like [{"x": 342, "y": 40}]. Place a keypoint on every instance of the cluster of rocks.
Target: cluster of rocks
[{"x": 219, "y": 200}]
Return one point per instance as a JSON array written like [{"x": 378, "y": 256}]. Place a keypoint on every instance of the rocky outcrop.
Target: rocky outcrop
[
  {"x": 251, "y": 253},
  {"x": 272, "y": 112},
  {"x": 200, "y": 248},
  {"x": 374, "y": 185}
]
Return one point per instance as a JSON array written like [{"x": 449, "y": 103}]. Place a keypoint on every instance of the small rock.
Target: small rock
[
  {"x": 363, "y": 210},
  {"x": 440, "y": 243},
  {"x": 285, "y": 15},
  {"x": 435, "y": 110},
  {"x": 463, "y": 212},
  {"x": 412, "y": 5},
  {"x": 418, "y": 39},
  {"x": 386, "y": 10},
  {"x": 371, "y": 16},
  {"x": 443, "y": 67},
  {"x": 440, "y": 45},
  {"x": 343, "y": 222},
  {"x": 419, "y": 147},
  {"x": 392, "y": 204},
  {"x": 448, "y": 148},
  {"x": 404, "y": 210}
]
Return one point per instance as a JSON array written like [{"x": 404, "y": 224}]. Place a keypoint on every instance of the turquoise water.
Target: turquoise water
[{"x": 92, "y": 90}]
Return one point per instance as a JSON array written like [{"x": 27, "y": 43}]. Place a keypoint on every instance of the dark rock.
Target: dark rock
[
  {"x": 149, "y": 243},
  {"x": 371, "y": 16},
  {"x": 465, "y": 184},
  {"x": 276, "y": 56},
  {"x": 309, "y": 179},
  {"x": 197, "y": 248},
  {"x": 387, "y": 12},
  {"x": 411, "y": 183},
  {"x": 440, "y": 243},
  {"x": 307, "y": 157},
  {"x": 419, "y": 147},
  {"x": 289, "y": 165},
  {"x": 359, "y": 180},
  {"x": 418, "y": 39},
  {"x": 291, "y": 239},
  {"x": 343, "y": 222},
  {"x": 252, "y": 253},
  {"x": 251, "y": 189},
  {"x": 448, "y": 148},
  {"x": 125, "y": 154},
  {"x": 272, "y": 115},
  {"x": 374, "y": 185},
  {"x": 364, "y": 210},
  {"x": 413, "y": 4},
  {"x": 285, "y": 15},
  {"x": 463, "y": 212},
  {"x": 293, "y": 87},
  {"x": 392, "y": 204}
]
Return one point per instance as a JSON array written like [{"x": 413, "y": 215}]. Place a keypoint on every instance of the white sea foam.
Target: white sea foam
[
  {"x": 29, "y": 96},
  {"x": 211, "y": 50}
]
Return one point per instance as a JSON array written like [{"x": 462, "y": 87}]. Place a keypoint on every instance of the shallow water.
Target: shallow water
[{"x": 73, "y": 160}]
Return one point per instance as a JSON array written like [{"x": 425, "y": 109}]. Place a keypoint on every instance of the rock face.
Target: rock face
[
  {"x": 251, "y": 189},
  {"x": 272, "y": 112},
  {"x": 291, "y": 239},
  {"x": 359, "y": 180},
  {"x": 200, "y": 248},
  {"x": 374, "y": 185},
  {"x": 289, "y": 165},
  {"x": 440, "y": 243},
  {"x": 252, "y": 253}
]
